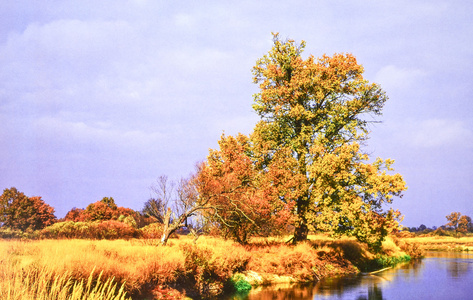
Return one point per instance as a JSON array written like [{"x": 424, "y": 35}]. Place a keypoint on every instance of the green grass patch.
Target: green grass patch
[
  {"x": 240, "y": 284},
  {"x": 384, "y": 261}
]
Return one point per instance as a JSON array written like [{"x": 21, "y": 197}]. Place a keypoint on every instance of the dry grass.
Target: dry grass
[
  {"x": 43, "y": 284},
  {"x": 141, "y": 266},
  {"x": 442, "y": 243},
  {"x": 320, "y": 256},
  {"x": 129, "y": 264}
]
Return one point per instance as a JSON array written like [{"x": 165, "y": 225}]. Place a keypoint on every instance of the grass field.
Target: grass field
[
  {"x": 103, "y": 269},
  {"x": 442, "y": 243}
]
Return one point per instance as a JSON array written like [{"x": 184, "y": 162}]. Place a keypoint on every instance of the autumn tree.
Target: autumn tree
[
  {"x": 306, "y": 148},
  {"x": 464, "y": 225},
  {"x": 17, "y": 211},
  {"x": 75, "y": 215},
  {"x": 453, "y": 220},
  {"x": 103, "y": 210},
  {"x": 238, "y": 199},
  {"x": 458, "y": 222}
]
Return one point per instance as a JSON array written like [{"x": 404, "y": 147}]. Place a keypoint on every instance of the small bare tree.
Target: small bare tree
[{"x": 175, "y": 205}]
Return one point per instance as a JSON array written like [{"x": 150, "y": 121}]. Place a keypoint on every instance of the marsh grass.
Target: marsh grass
[
  {"x": 143, "y": 267},
  {"x": 131, "y": 266},
  {"x": 45, "y": 285}
]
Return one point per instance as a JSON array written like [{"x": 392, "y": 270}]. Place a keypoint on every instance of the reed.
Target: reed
[
  {"x": 109, "y": 268},
  {"x": 44, "y": 284},
  {"x": 131, "y": 265}
]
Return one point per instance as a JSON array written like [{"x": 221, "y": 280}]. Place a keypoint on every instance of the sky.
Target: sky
[{"x": 99, "y": 98}]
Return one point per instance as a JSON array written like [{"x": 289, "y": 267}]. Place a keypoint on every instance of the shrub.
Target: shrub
[
  {"x": 8, "y": 233},
  {"x": 90, "y": 230},
  {"x": 111, "y": 230},
  {"x": 240, "y": 284},
  {"x": 441, "y": 232},
  {"x": 152, "y": 231},
  {"x": 68, "y": 229},
  {"x": 384, "y": 261},
  {"x": 208, "y": 270},
  {"x": 412, "y": 249}
]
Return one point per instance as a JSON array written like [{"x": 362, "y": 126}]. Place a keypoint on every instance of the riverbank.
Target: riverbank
[
  {"x": 442, "y": 243},
  {"x": 148, "y": 271}
]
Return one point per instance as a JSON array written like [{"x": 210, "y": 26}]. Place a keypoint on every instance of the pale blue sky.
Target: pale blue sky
[{"x": 99, "y": 98}]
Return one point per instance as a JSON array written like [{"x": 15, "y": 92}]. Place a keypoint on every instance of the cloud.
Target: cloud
[
  {"x": 439, "y": 132},
  {"x": 48, "y": 128},
  {"x": 392, "y": 77}
]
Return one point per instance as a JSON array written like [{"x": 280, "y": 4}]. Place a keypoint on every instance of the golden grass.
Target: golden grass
[
  {"x": 142, "y": 266},
  {"x": 44, "y": 284},
  {"x": 133, "y": 264},
  {"x": 129, "y": 264},
  {"x": 442, "y": 243}
]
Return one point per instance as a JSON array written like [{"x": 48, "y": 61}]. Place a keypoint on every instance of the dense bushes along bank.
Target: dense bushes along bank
[
  {"x": 204, "y": 269},
  {"x": 109, "y": 230}
]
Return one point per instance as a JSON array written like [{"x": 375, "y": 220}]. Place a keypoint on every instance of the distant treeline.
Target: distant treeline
[{"x": 457, "y": 224}]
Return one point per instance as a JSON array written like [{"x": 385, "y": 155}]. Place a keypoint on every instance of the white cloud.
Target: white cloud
[
  {"x": 97, "y": 132},
  {"x": 439, "y": 132},
  {"x": 393, "y": 77}
]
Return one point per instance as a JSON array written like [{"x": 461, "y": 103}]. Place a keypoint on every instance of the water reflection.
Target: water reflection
[
  {"x": 440, "y": 275},
  {"x": 374, "y": 293}
]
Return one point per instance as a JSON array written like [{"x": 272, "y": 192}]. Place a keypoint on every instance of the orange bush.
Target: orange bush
[{"x": 152, "y": 231}]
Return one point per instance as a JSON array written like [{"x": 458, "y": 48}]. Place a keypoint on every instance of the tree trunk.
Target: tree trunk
[
  {"x": 167, "y": 220},
  {"x": 301, "y": 230}
]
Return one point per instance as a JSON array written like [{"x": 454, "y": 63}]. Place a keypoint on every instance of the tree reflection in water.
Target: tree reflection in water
[
  {"x": 458, "y": 269},
  {"x": 374, "y": 293},
  {"x": 370, "y": 290},
  {"x": 439, "y": 276},
  {"x": 458, "y": 263},
  {"x": 305, "y": 292}
]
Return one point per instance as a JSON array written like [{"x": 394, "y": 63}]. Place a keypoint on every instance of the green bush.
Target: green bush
[
  {"x": 8, "y": 233},
  {"x": 240, "y": 284}
]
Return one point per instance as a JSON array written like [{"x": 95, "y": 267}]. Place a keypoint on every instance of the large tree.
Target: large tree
[
  {"x": 17, "y": 211},
  {"x": 305, "y": 153},
  {"x": 318, "y": 111}
]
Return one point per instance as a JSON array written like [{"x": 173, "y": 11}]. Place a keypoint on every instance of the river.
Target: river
[{"x": 440, "y": 275}]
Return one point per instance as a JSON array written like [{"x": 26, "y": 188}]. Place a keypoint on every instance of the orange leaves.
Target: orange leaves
[
  {"x": 240, "y": 197},
  {"x": 102, "y": 210},
  {"x": 18, "y": 211}
]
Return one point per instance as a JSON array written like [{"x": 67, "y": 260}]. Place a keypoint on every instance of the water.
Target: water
[{"x": 441, "y": 275}]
